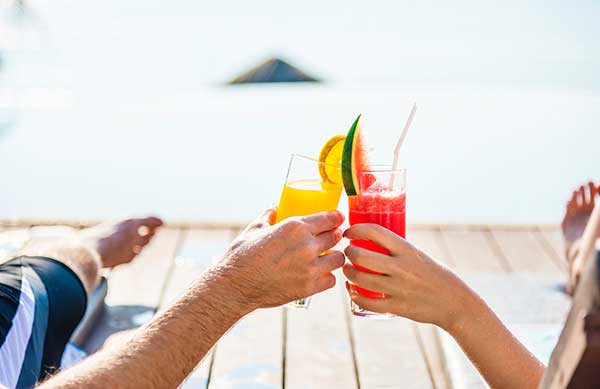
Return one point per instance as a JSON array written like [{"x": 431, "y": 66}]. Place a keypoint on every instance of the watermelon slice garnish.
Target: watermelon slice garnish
[{"x": 354, "y": 159}]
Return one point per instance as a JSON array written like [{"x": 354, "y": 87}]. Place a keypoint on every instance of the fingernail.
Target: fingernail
[{"x": 350, "y": 289}]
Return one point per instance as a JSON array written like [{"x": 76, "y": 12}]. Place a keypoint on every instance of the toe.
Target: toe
[
  {"x": 143, "y": 240},
  {"x": 152, "y": 222},
  {"x": 572, "y": 204},
  {"x": 581, "y": 196},
  {"x": 147, "y": 226},
  {"x": 592, "y": 193}
]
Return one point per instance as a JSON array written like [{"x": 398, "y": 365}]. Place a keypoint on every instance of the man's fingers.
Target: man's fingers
[
  {"x": 369, "y": 259},
  {"x": 370, "y": 281},
  {"x": 377, "y": 234},
  {"x": 266, "y": 218},
  {"x": 267, "y": 215},
  {"x": 326, "y": 281},
  {"x": 329, "y": 262},
  {"x": 327, "y": 240},
  {"x": 380, "y": 305},
  {"x": 323, "y": 221}
]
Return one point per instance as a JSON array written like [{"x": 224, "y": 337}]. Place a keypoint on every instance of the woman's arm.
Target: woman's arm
[{"x": 419, "y": 288}]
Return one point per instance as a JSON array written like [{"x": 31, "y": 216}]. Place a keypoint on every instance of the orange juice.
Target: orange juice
[{"x": 305, "y": 197}]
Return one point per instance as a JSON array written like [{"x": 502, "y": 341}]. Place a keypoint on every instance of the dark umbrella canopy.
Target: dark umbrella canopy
[{"x": 273, "y": 70}]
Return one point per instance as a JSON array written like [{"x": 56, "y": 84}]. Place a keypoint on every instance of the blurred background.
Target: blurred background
[{"x": 112, "y": 108}]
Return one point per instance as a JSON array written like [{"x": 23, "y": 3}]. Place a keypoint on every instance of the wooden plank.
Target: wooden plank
[
  {"x": 524, "y": 252},
  {"x": 11, "y": 241},
  {"x": 388, "y": 354},
  {"x": 251, "y": 354},
  {"x": 553, "y": 240},
  {"x": 512, "y": 298},
  {"x": 428, "y": 338},
  {"x": 429, "y": 240},
  {"x": 471, "y": 252},
  {"x": 134, "y": 289},
  {"x": 318, "y": 347},
  {"x": 531, "y": 306},
  {"x": 198, "y": 250},
  {"x": 84, "y": 223},
  {"x": 141, "y": 281}
]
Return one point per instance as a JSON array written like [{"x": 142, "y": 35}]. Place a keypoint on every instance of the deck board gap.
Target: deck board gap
[
  {"x": 181, "y": 237},
  {"x": 284, "y": 332},
  {"x": 426, "y": 360},
  {"x": 439, "y": 237},
  {"x": 451, "y": 260},
  {"x": 497, "y": 249},
  {"x": 211, "y": 364},
  {"x": 549, "y": 249},
  {"x": 348, "y": 317}
]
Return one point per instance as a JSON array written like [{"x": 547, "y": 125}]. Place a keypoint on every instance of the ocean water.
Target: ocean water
[{"x": 111, "y": 109}]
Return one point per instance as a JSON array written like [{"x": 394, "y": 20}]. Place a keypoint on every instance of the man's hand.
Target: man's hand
[
  {"x": 270, "y": 265},
  {"x": 265, "y": 266}
]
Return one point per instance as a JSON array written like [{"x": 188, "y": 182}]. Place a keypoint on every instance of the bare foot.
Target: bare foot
[
  {"x": 579, "y": 209},
  {"x": 119, "y": 243}
]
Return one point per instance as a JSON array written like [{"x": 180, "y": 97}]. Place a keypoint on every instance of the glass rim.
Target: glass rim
[
  {"x": 384, "y": 169},
  {"x": 315, "y": 160}
]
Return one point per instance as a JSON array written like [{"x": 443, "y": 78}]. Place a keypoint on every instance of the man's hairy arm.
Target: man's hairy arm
[
  {"x": 266, "y": 266},
  {"x": 166, "y": 350}
]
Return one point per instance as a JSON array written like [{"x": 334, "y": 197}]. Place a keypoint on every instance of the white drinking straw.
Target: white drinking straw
[{"x": 400, "y": 141}]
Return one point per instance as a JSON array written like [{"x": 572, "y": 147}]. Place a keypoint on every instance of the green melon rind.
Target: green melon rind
[{"x": 349, "y": 177}]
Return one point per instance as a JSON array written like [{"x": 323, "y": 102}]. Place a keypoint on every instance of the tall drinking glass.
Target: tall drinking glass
[
  {"x": 305, "y": 193},
  {"x": 382, "y": 200}
]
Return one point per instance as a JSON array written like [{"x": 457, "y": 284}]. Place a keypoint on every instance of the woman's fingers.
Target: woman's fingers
[
  {"x": 380, "y": 305},
  {"x": 369, "y": 259},
  {"x": 377, "y": 234},
  {"x": 375, "y": 282}
]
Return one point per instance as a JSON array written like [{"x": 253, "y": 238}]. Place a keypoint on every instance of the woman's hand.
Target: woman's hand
[
  {"x": 420, "y": 289},
  {"x": 415, "y": 285}
]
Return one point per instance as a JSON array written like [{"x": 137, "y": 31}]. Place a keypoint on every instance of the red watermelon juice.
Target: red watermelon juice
[{"x": 378, "y": 206}]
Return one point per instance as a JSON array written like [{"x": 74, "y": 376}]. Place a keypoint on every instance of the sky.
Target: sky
[
  {"x": 187, "y": 43},
  {"x": 120, "y": 108}
]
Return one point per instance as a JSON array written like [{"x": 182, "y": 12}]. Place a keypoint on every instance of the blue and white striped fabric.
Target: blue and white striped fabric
[{"x": 22, "y": 349}]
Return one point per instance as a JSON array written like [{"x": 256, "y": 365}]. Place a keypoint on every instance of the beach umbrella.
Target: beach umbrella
[{"x": 273, "y": 70}]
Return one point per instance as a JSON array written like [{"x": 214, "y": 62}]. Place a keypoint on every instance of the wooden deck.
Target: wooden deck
[{"x": 325, "y": 346}]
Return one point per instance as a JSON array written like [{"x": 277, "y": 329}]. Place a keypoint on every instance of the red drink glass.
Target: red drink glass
[{"x": 382, "y": 200}]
